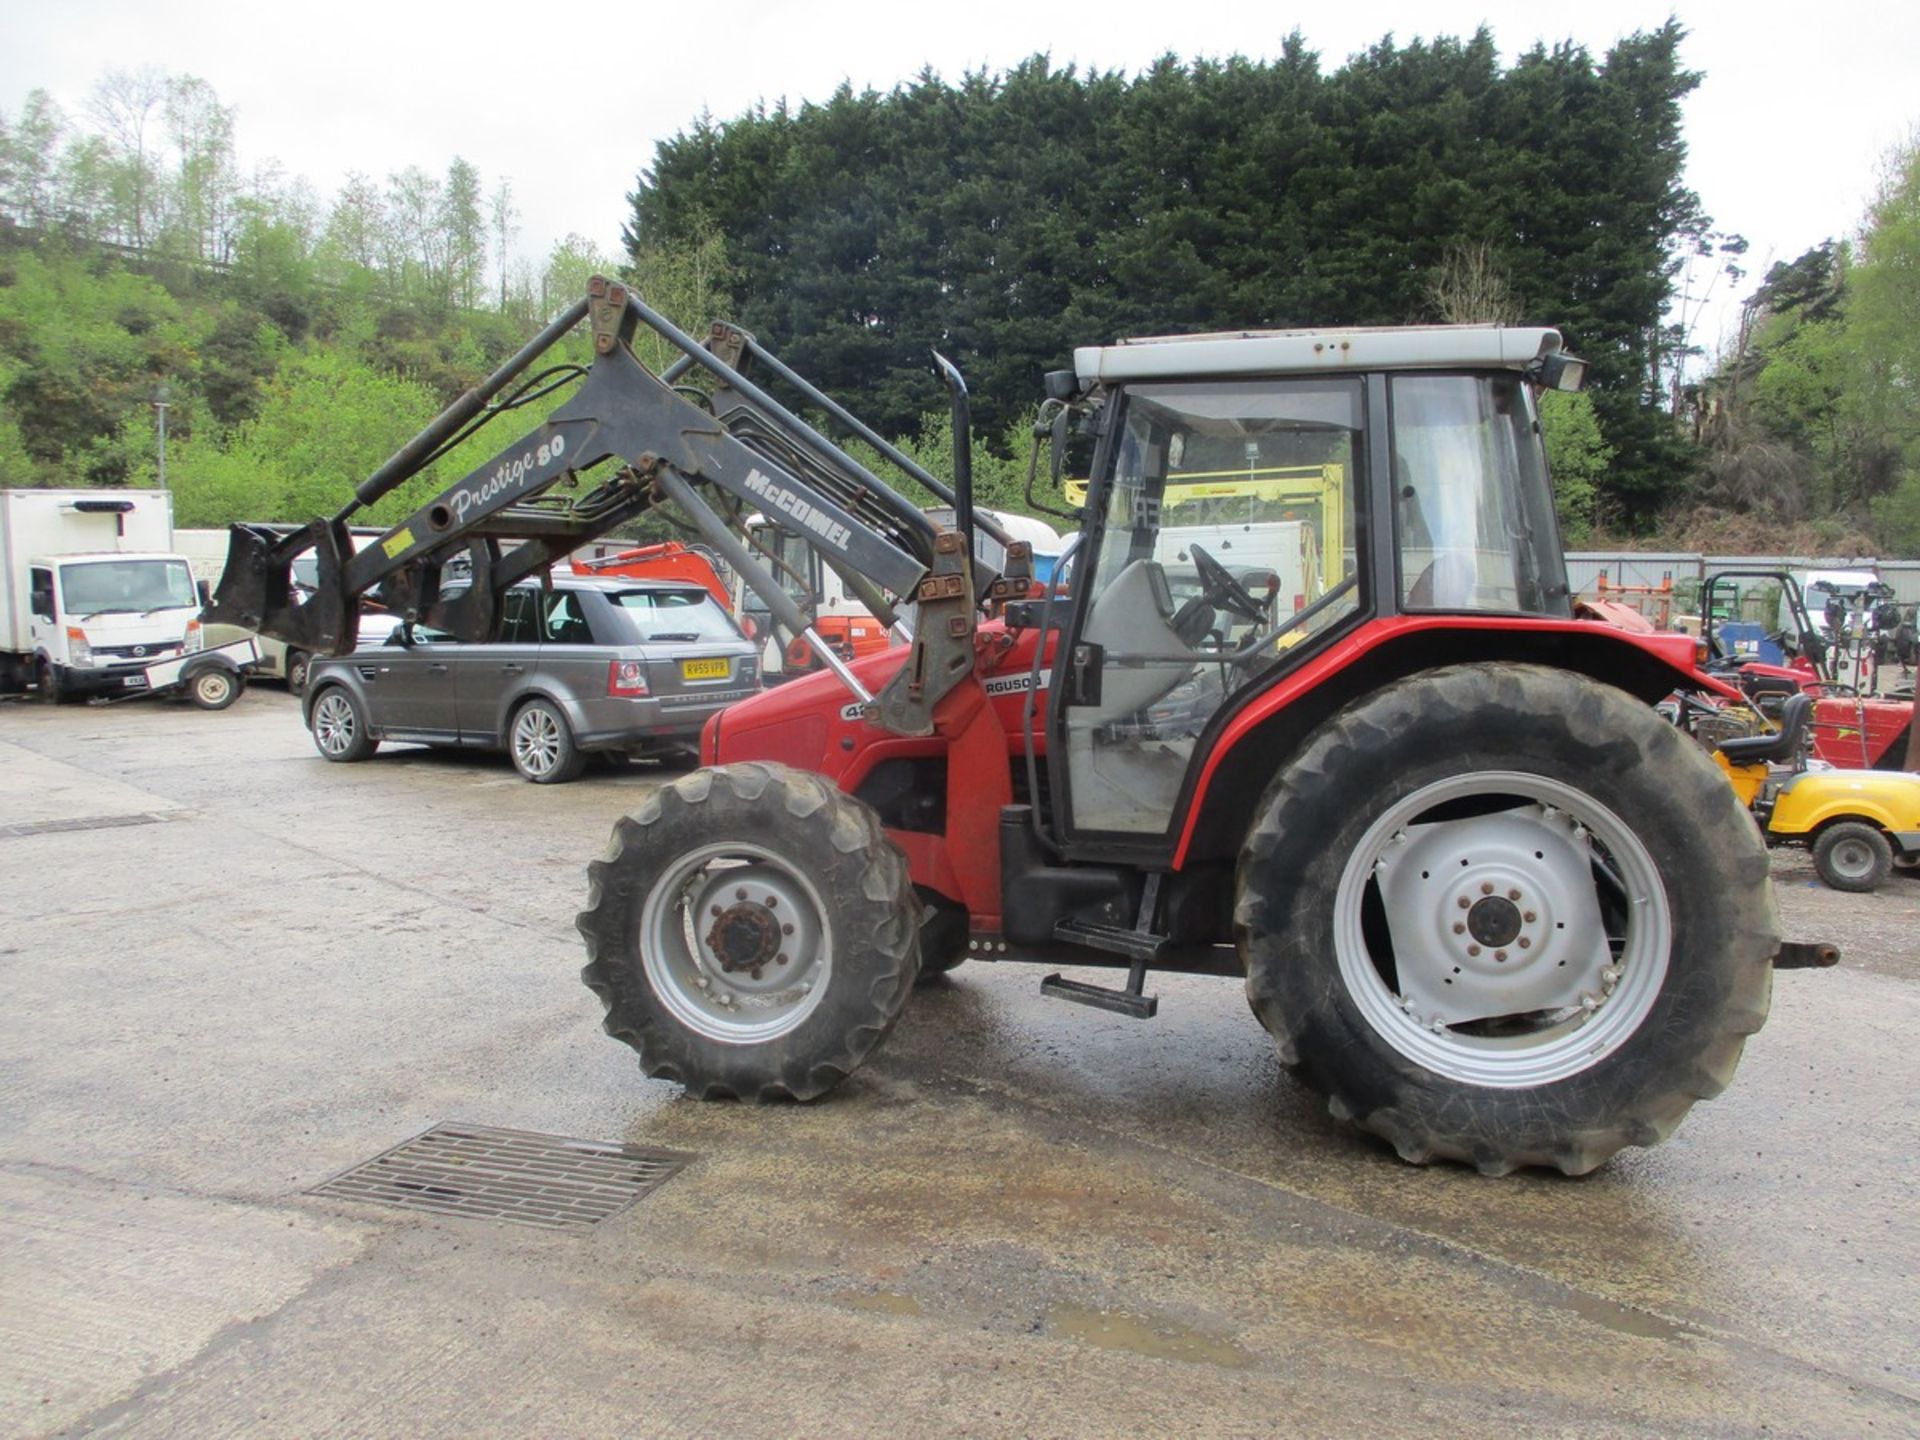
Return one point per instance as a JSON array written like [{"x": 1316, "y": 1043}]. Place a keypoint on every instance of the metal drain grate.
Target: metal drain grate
[
  {"x": 552, "y": 1181},
  {"x": 57, "y": 827}
]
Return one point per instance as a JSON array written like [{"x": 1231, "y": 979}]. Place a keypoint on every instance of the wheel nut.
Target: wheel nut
[
  {"x": 1486, "y": 887},
  {"x": 716, "y": 912},
  {"x": 778, "y": 960},
  {"x": 1473, "y": 949},
  {"x": 1513, "y": 894},
  {"x": 1525, "y": 943},
  {"x": 771, "y": 902},
  {"x": 740, "y": 894},
  {"x": 1459, "y": 927},
  {"x": 1529, "y": 917},
  {"x": 786, "y": 929},
  {"x": 1500, "y": 955},
  {"x": 1465, "y": 903}
]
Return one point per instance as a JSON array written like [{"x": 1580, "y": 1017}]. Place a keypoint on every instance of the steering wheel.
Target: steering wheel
[{"x": 1222, "y": 590}]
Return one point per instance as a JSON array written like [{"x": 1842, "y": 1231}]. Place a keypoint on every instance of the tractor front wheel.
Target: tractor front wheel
[
  {"x": 1504, "y": 914},
  {"x": 752, "y": 933}
]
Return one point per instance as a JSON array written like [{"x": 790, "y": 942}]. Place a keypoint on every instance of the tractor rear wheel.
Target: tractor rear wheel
[
  {"x": 752, "y": 933},
  {"x": 1503, "y": 914}
]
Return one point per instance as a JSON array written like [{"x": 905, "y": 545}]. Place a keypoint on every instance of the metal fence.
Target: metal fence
[{"x": 1639, "y": 578}]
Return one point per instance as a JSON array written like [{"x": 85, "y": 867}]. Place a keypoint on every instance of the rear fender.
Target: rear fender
[
  {"x": 1808, "y": 803},
  {"x": 1259, "y": 739}
]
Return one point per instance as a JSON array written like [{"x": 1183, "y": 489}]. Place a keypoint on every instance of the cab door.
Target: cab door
[{"x": 1222, "y": 555}]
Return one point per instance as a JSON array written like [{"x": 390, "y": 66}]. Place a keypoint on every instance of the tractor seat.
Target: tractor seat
[{"x": 1782, "y": 745}]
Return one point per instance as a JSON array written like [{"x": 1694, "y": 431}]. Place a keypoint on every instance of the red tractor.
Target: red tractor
[{"x": 1485, "y": 899}]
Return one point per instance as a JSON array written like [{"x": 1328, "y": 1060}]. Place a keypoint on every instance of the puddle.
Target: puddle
[
  {"x": 1159, "y": 1337},
  {"x": 1623, "y": 1319},
  {"x": 885, "y": 1302}
]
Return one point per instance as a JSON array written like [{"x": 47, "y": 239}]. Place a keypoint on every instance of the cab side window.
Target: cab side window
[
  {"x": 566, "y": 622},
  {"x": 41, "y": 583}
]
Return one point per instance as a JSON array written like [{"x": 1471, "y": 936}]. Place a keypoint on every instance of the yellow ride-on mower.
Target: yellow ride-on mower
[{"x": 1859, "y": 823}]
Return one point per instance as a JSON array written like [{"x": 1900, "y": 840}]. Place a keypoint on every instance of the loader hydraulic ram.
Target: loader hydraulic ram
[{"x": 1304, "y": 702}]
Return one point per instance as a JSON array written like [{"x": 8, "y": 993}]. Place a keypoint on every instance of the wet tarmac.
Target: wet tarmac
[{"x": 1021, "y": 1218}]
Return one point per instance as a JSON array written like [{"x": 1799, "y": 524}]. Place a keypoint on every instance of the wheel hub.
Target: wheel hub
[
  {"x": 1494, "y": 920},
  {"x": 758, "y": 939},
  {"x": 745, "y": 937},
  {"x": 1493, "y": 915}
]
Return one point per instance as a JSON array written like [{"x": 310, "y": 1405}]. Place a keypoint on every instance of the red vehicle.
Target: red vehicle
[
  {"x": 1485, "y": 900},
  {"x": 669, "y": 560},
  {"x": 1850, "y": 730}
]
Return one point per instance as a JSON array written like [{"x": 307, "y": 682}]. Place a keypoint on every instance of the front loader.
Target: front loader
[{"x": 1485, "y": 900}]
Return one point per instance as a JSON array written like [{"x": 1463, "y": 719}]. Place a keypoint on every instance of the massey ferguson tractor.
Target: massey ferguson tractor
[{"x": 1485, "y": 899}]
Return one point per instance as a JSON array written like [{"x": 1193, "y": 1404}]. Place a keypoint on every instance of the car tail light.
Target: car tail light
[{"x": 626, "y": 678}]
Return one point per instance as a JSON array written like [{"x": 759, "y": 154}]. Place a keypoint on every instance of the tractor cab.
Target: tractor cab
[{"x": 1241, "y": 524}]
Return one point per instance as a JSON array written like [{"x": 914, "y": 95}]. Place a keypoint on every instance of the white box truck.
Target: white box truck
[{"x": 93, "y": 596}]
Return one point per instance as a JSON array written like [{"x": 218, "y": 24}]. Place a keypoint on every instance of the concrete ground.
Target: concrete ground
[{"x": 1021, "y": 1218}]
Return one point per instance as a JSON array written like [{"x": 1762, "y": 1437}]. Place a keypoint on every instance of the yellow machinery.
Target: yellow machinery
[{"x": 1859, "y": 823}]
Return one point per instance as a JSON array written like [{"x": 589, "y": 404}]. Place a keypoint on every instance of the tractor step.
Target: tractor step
[
  {"x": 1142, "y": 947},
  {"x": 1114, "y": 939},
  {"x": 1121, "y": 1002}
]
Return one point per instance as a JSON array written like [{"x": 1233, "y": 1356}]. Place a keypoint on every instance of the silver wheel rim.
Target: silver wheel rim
[
  {"x": 212, "y": 688},
  {"x": 1450, "y": 901},
  {"x": 736, "y": 944},
  {"x": 333, "y": 724},
  {"x": 297, "y": 675},
  {"x": 536, "y": 741},
  {"x": 1851, "y": 858}
]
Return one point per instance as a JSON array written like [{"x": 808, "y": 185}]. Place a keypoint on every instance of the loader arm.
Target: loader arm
[{"x": 624, "y": 442}]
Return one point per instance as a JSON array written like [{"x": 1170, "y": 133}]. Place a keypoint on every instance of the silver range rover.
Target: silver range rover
[{"x": 620, "y": 667}]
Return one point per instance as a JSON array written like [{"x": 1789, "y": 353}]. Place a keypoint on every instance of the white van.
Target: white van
[{"x": 91, "y": 592}]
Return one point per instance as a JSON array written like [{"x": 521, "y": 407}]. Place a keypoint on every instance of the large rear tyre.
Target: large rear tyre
[
  {"x": 1505, "y": 915},
  {"x": 752, "y": 933}
]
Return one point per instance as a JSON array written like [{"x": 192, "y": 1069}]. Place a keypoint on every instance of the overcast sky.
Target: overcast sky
[{"x": 1786, "y": 133}]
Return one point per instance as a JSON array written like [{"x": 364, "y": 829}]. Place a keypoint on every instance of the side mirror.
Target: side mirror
[{"x": 1056, "y": 431}]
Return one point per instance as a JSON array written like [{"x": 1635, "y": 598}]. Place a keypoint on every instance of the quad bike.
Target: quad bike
[{"x": 1485, "y": 900}]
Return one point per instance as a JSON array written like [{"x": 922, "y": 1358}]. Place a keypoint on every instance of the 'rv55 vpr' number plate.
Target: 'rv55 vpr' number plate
[{"x": 703, "y": 669}]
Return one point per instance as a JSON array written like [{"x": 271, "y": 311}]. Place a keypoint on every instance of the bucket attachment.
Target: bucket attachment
[{"x": 257, "y": 590}]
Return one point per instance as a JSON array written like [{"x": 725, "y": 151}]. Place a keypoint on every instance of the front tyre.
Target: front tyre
[
  {"x": 1503, "y": 914},
  {"x": 1853, "y": 856},
  {"x": 339, "y": 726},
  {"x": 752, "y": 933}
]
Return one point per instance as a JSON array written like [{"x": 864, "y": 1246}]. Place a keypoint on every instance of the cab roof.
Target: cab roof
[{"x": 1296, "y": 352}]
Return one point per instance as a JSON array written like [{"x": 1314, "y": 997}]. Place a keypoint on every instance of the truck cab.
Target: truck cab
[{"x": 96, "y": 622}]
